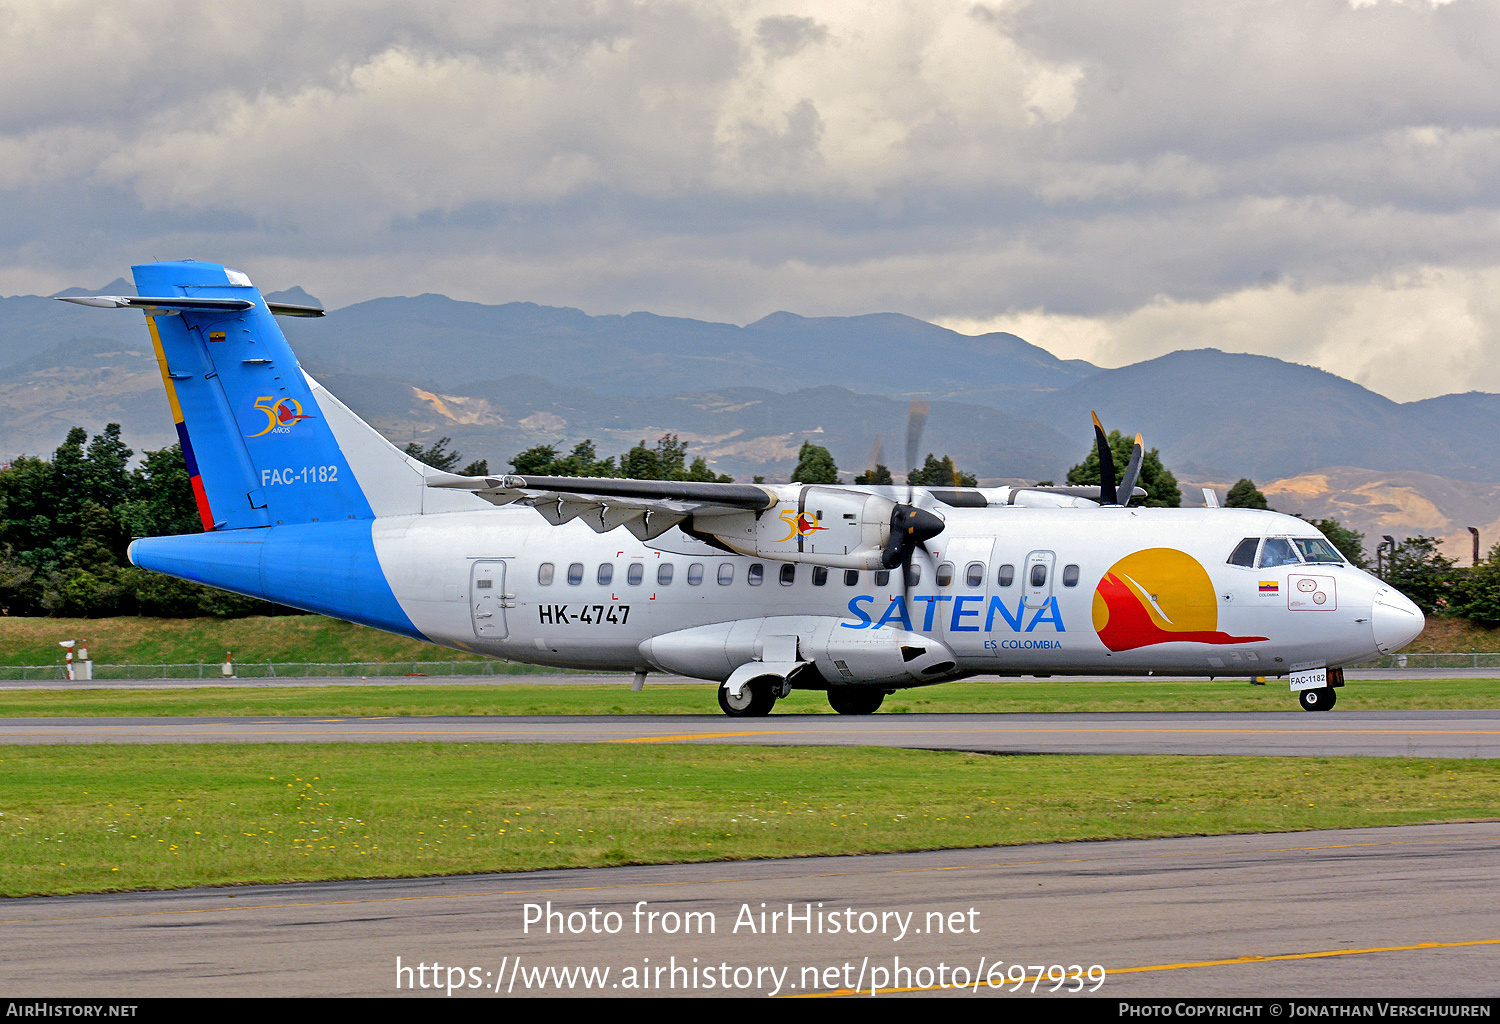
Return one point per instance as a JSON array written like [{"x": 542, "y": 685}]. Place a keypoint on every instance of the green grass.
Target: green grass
[
  {"x": 994, "y": 695},
  {"x": 94, "y": 818},
  {"x": 138, "y": 640}
]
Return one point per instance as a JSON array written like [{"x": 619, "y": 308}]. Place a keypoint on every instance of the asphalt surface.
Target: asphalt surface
[
  {"x": 1391, "y": 912},
  {"x": 1289, "y": 733}
]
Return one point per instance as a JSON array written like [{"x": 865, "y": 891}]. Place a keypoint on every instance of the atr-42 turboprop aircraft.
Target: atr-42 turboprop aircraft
[{"x": 858, "y": 591}]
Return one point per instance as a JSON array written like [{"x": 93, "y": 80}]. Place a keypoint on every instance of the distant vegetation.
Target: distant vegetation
[
  {"x": 65, "y": 523},
  {"x": 666, "y": 461}
]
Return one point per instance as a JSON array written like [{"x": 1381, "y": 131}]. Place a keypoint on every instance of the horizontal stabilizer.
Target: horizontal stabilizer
[
  {"x": 172, "y": 302},
  {"x": 177, "y": 303}
]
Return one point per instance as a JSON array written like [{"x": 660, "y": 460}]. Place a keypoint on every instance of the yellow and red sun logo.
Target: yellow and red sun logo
[
  {"x": 799, "y": 524},
  {"x": 1158, "y": 596}
]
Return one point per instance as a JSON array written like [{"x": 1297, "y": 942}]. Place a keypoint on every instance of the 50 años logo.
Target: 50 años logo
[{"x": 281, "y": 414}]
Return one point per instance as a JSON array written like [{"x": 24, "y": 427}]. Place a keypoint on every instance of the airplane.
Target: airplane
[{"x": 856, "y": 591}]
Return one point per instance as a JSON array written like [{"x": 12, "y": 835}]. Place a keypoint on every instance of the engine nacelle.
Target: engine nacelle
[{"x": 832, "y": 526}]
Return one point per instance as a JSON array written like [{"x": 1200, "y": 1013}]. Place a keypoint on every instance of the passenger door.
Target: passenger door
[{"x": 488, "y": 599}]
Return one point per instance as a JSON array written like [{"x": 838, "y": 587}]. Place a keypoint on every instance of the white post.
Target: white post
[
  {"x": 227, "y": 671},
  {"x": 67, "y": 645}
]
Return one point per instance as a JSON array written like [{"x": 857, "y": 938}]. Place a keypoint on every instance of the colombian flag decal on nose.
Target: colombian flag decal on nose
[{"x": 1158, "y": 596}]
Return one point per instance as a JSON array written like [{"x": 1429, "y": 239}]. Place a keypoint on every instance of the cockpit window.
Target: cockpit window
[
  {"x": 1277, "y": 551},
  {"x": 1244, "y": 552},
  {"x": 1316, "y": 549}
]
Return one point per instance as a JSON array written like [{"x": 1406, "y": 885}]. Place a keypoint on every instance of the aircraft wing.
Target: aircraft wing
[{"x": 647, "y": 508}]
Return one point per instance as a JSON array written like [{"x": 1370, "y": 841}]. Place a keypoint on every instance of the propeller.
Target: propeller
[
  {"x": 911, "y": 527},
  {"x": 916, "y": 419},
  {"x": 876, "y": 455},
  {"x": 1109, "y": 493},
  {"x": 1132, "y": 470}
]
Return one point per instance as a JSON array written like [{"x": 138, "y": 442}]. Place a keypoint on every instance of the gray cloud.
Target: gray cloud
[{"x": 1054, "y": 161}]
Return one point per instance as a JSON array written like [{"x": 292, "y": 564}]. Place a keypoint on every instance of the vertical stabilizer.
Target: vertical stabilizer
[{"x": 258, "y": 446}]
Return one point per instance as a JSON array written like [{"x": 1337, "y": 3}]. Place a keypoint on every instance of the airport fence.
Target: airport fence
[
  {"x": 1470, "y": 659},
  {"x": 209, "y": 671}
]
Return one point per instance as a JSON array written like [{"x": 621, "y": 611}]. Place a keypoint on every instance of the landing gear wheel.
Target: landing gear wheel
[
  {"x": 755, "y": 700},
  {"x": 855, "y": 701},
  {"x": 1321, "y": 699}
]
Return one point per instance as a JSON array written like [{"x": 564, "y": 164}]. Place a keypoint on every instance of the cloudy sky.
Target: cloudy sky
[{"x": 1315, "y": 180}]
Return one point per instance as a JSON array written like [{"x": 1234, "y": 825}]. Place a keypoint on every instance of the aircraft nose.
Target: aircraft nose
[{"x": 1395, "y": 619}]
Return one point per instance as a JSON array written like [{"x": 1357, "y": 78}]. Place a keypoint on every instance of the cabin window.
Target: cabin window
[
  {"x": 575, "y": 574},
  {"x": 1039, "y": 575},
  {"x": 1006, "y": 576},
  {"x": 974, "y": 574},
  {"x": 914, "y": 576},
  {"x": 1244, "y": 552},
  {"x": 635, "y": 574},
  {"x": 788, "y": 574},
  {"x": 664, "y": 574},
  {"x": 757, "y": 574},
  {"x": 606, "y": 573},
  {"x": 484, "y": 584},
  {"x": 851, "y": 577},
  {"x": 945, "y": 574},
  {"x": 695, "y": 574},
  {"x": 726, "y": 573},
  {"x": 820, "y": 575},
  {"x": 544, "y": 574},
  {"x": 1277, "y": 551},
  {"x": 1070, "y": 575},
  {"x": 882, "y": 577}
]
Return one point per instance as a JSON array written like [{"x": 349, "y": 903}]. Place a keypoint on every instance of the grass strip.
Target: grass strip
[
  {"x": 967, "y": 697},
  {"x": 96, "y": 818},
  {"x": 136, "y": 639}
]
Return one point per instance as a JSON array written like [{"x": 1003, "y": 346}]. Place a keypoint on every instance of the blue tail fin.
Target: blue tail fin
[
  {"x": 289, "y": 481},
  {"x": 246, "y": 415}
]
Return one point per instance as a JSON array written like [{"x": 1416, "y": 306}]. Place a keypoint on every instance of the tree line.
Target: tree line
[{"x": 65, "y": 522}]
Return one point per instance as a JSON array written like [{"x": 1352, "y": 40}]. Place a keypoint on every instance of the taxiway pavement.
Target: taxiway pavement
[{"x": 1288, "y": 733}]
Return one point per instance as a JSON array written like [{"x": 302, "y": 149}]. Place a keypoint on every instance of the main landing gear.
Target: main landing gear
[
  {"x": 855, "y": 700},
  {"x": 756, "y": 698},
  {"x": 1321, "y": 699}
]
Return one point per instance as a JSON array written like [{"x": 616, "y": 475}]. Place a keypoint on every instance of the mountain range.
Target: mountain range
[{"x": 501, "y": 378}]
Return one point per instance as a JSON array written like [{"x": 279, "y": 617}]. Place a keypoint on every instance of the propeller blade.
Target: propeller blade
[
  {"x": 916, "y": 419},
  {"x": 875, "y": 457},
  {"x": 1107, "y": 493},
  {"x": 1132, "y": 471}
]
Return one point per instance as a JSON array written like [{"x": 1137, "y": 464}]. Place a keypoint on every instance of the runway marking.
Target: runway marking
[
  {"x": 724, "y": 881},
  {"x": 1110, "y": 972}
]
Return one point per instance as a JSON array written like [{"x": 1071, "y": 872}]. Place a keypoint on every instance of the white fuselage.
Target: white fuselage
[{"x": 478, "y": 581}]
